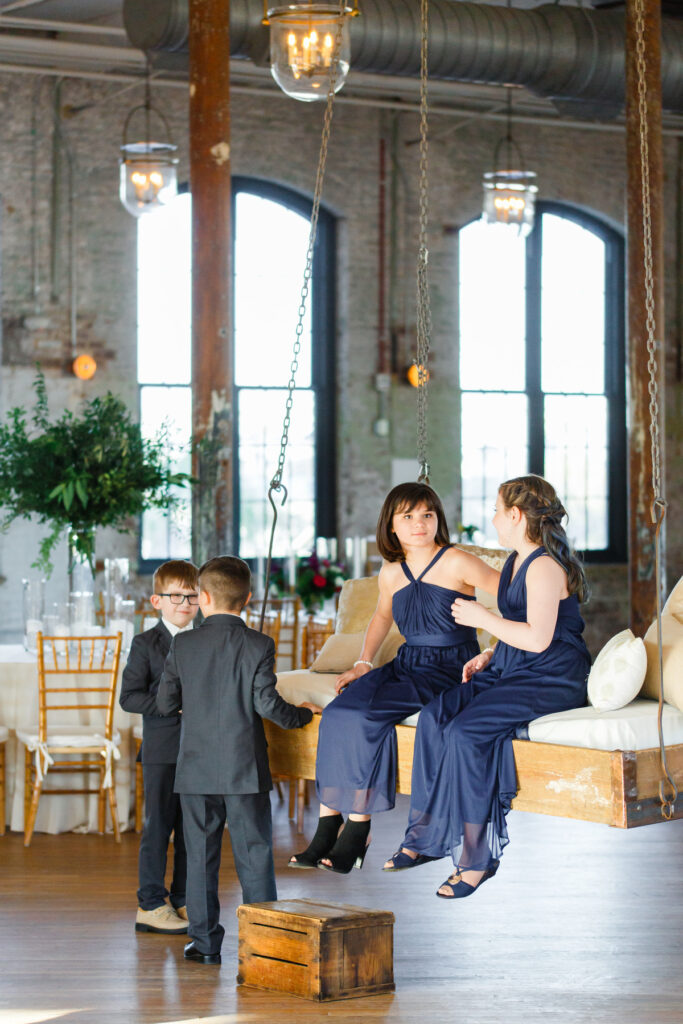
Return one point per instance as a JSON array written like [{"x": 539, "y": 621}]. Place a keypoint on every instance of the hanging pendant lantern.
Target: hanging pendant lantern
[
  {"x": 510, "y": 190},
  {"x": 309, "y": 43},
  {"x": 148, "y": 175}
]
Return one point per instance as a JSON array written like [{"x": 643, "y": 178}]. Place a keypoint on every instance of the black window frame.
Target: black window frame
[{"x": 615, "y": 367}]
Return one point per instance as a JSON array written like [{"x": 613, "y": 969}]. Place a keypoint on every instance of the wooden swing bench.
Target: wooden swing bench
[
  {"x": 618, "y": 787},
  {"x": 611, "y": 787}
]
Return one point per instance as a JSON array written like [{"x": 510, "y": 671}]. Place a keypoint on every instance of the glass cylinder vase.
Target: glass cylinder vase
[{"x": 33, "y": 611}]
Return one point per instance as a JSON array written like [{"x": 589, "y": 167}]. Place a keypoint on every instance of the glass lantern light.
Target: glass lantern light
[
  {"x": 308, "y": 43},
  {"x": 148, "y": 175},
  {"x": 510, "y": 190}
]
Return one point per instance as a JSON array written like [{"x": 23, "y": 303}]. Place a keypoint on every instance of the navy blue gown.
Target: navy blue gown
[
  {"x": 356, "y": 763},
  {"x": 464, "y": 776}
]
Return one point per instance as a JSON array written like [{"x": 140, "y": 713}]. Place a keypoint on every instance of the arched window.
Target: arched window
[
  {"x": 542, "y": 371},
  {"x": 271, "y": 227},
  {"x": 270, "y": 237}
]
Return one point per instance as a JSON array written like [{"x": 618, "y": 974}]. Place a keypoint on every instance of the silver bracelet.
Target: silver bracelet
[{"x": 362, "y": 662}]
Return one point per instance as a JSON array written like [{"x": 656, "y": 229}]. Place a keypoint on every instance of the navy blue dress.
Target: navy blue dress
[
  {"x": 356, "y": 764},
  {"x": 464, "y": 776}
]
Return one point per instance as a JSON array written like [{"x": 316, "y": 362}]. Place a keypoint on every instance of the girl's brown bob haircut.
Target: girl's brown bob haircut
[{"x": 404, "y": 498}]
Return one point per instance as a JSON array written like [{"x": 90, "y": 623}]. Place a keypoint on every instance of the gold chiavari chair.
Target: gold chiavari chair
[
  {"x": 271, "y": 624},
  {"x": 314, "y": 633},
  {"x": 75, "y": 675},
  {"x": 289, "y": 608}
]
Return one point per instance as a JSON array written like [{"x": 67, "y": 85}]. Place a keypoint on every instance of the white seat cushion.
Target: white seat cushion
[
  {"x": 4, "y": 733},
  {"x": 314, "y": 687},
  {"x": 67, "y": 736},
  {"x": 633, "y": 727},
  {"x": 137, "y": 732}
]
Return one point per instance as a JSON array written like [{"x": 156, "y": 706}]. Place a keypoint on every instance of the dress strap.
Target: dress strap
[
  {"x": 522, "y": 571},
  {"x": 434, "y": 560},
  {"x": 407, "y": 572}
]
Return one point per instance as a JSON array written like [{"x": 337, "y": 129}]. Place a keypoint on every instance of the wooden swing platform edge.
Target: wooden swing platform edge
[{"x": 611, "y": 787}]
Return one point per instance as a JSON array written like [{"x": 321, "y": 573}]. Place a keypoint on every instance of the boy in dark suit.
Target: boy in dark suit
[
  {"x": 222, "y": 677},
  {"x": 177, "y": 598}
]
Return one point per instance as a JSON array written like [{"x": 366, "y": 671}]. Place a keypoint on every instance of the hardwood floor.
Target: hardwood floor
[{"x": 582, "y": 923}]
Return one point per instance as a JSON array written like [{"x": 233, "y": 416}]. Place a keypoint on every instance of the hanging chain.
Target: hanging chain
[
  {"x": 424, "y": 313},
  {"x": 276, "y": 485},
  {"x": 658, "y": 508}
]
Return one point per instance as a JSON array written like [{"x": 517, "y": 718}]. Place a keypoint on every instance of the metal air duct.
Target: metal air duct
[{"x": 565, "y": 54}]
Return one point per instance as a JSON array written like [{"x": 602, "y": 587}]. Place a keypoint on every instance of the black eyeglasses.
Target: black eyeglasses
[{"x": 179, "y": 598}]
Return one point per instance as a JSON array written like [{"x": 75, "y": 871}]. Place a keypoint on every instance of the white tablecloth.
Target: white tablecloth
[{"x": 19, "y": 710}]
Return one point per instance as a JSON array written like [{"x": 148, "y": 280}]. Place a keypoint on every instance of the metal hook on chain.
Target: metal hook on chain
[
  {"x": 276, "y": 486},
  {"x": 276, "y": 483}
]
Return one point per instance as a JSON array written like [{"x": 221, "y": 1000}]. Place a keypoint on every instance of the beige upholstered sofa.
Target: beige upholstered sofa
[{"x": 596, "y": 765}]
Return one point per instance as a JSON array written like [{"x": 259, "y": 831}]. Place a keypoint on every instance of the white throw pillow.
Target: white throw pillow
[{"x": 618, "y": 672}]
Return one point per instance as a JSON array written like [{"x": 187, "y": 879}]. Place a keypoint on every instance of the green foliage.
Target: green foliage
[{"x": 81, "y": 472}]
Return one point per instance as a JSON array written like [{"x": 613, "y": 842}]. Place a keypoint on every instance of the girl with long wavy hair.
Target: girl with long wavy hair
[{"x": 463, "y": 769}]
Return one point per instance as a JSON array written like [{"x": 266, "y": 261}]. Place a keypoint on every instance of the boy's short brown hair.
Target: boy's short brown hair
[
  {"x": 228, "y": 580},
  {"x": 177, "y": 570}
]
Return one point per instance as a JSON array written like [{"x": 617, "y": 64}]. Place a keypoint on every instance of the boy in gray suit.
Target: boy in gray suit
[{"x": 222, "y": 677}]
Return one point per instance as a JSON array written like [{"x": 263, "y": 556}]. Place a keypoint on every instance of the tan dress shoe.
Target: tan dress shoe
[{"x": 162, "y": 919}]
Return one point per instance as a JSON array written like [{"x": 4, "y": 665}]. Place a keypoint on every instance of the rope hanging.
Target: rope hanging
[
  {"x": 659, "y": 505},
  {"x": 276, "y": 486},
  {"x": 424, "y": 312}
]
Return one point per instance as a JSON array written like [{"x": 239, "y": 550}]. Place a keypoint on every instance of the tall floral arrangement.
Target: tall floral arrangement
[
  {"x": 79, "y": 472},
  {"x": 316, "y": 579}
]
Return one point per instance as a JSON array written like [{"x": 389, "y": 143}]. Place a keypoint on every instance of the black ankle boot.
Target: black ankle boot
[
  {"x": 321, "y": 843},
  {"x": 350, "y": 849}
]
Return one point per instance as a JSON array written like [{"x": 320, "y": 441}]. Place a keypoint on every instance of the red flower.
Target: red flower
[{"x": 319, "y": 581}]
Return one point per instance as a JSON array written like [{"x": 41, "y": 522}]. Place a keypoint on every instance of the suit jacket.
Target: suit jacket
[
  {"x": 222, "y": 677},
  {"x": 139, "y": 684}
]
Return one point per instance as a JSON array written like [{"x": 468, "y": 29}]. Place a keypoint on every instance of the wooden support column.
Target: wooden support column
[
  {"x": 209, "y": 45},
  {"x": 641, "y": 531}
]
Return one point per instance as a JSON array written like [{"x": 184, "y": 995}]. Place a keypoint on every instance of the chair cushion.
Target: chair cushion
[
  {"x": 4, "y": 733},
  {"x": 672, "y": 656},
  {"x": 341, "y": 650},
  {"x": 618, "y": 672},
  {"x": 357, "y": 603},
  {"x": 674, "y": 604},
  {"x": 672, "y": 652},
  {"x": 67, "y": 736},
  {"x": 633, "y": 727},
  {"x": 315, "y": 687}
]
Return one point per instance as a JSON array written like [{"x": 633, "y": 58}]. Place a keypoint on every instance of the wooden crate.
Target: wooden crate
[{"x": 317, "y": 950}]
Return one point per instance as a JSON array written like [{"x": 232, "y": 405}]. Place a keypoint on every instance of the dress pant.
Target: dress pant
[
  {"x": 163, "y": 816},
  {"x": 251, "y": 835}
]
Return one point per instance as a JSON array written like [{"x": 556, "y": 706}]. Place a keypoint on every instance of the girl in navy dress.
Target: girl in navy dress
[
  {"x": 463, "y": 769},
  {"x": 418, "y": 582}
]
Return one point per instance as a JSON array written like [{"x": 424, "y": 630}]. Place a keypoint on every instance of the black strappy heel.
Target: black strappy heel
[
  {"x": 321, "y": 844},
  {"x": 350, "y": 849}
]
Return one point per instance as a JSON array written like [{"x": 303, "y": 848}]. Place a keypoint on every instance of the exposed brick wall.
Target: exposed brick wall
[{"x": 278, "y": 139}]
